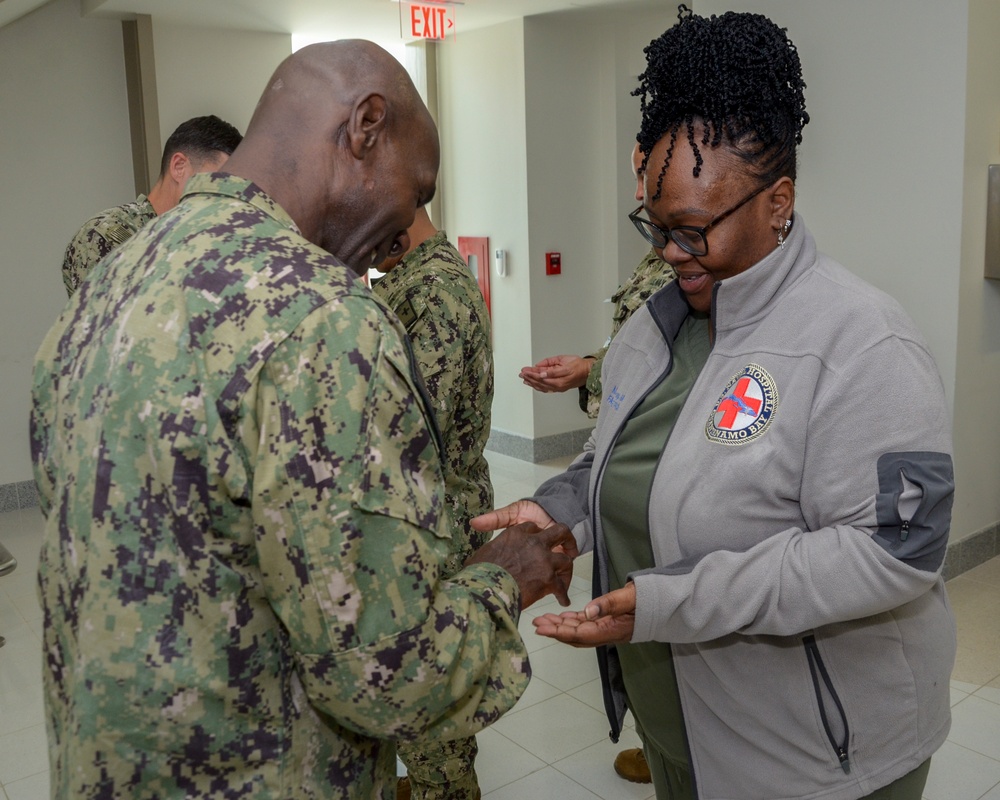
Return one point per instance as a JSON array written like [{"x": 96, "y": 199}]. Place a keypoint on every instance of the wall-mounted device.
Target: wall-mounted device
[
  {"x": 553, "y": 264},
  {"x": 992, "y": 266},
  {"x": 500, "y": 262}
]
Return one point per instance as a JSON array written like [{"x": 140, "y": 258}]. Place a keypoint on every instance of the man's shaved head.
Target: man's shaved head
[{"x": 342, "y": 141}]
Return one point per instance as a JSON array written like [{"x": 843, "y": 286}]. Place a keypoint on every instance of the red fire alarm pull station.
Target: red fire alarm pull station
[{"x": 553, "y": 264}]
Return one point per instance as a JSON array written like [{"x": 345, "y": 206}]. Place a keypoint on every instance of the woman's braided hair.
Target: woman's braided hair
[{"x": 738, "y": 78}]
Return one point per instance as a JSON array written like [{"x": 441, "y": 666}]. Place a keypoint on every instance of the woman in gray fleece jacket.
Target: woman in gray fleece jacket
[{"x": 768, "y": 489}]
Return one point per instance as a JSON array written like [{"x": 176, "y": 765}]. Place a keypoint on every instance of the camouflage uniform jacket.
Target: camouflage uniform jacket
[
  {"x": 100, "y": 235},
  {"x": 652, "y": 274},
  {"x": 241, "y": 566},
  {"x": 437, "y": 299}
]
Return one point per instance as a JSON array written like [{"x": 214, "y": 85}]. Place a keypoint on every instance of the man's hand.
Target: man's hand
[
  {"x": 610, "y": 619},
  {"x": 513, "y": 514},
  {"x": 541, "y": 561},
  {"x": 557, "y": 373}
]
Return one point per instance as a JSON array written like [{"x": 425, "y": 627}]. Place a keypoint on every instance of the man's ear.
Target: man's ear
[
  {"x": 179, "y": 168},
  {"x": 366, "y": 124}
]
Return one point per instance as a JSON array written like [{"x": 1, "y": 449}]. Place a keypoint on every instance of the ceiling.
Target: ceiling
[{"x": 312, "y": 19}]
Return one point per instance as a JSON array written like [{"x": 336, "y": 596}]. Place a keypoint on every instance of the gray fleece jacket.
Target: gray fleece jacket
[{"x": 799, "y": 516}]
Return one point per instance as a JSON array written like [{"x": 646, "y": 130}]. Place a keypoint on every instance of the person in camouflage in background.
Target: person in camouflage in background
[
  {"x": 564, "y": 372},
  {"x": 432, "y": 291},
  {"x": 201, "y": 144},
  {"x": 244, "y": 525}
]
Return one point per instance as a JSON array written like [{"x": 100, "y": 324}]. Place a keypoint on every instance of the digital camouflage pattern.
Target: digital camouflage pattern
[
  {"x": 241, "y": 566},
  {"x": 100, "y": 235},
  {"x": 433, "y": 293},
  {"x": 437, "y": 299},
  {"x": 652, "y": 274}
]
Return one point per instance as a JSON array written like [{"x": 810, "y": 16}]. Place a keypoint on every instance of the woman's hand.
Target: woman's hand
[
  {"x": 610, "y": 619},
  {"x": 514, "y": 514}
]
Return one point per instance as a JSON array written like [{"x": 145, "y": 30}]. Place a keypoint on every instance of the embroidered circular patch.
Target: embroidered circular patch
[{"x": 745, "y": 409}]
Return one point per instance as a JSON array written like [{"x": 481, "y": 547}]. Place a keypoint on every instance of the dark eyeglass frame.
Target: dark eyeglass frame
[{"x": 658, "y": 237}]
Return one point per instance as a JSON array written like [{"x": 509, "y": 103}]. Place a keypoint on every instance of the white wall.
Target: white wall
[
  {"x": 202, "y": 72},
  {"x": 905, "y": 107},
  {"x": 538, "y": 122},
  {"x": 64, "y": 155},
  {"x": 880, "y": 168},
  {"x": 483, "y": 179},
  {"x": 977, "y": 385},
  {"x": 580, "y": 68}
]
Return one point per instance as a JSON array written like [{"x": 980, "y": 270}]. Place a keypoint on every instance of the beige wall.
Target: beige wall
[
  {"x": 64, "y": 156},
  {"x": 977, "y": 378},
  {"x": 483, "y": 179},
  {"x": 201, "y": 72}
]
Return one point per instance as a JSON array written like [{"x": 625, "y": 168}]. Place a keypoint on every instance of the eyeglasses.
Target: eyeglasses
[{"x": 687, "y": 237}]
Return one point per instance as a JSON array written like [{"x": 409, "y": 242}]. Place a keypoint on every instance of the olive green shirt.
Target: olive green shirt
[{"x": 647, "y": 667}]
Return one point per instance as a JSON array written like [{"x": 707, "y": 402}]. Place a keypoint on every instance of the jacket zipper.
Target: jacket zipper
[{"x": 817, "y": 669}]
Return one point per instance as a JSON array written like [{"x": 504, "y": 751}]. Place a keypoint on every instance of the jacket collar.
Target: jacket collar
[{"x": 745, "y": 298}]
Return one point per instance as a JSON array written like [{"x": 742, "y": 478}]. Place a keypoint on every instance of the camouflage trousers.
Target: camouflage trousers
[{"x": 441, "y": 770}]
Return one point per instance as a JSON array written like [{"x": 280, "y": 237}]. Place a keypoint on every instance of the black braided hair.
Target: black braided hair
[{"x": 736, "y": 77}]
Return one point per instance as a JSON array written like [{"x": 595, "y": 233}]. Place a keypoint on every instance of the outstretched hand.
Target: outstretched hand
[
  {"x": 610, "y": 619},
  {"x": 541, "y": 561},
  {"x": 557, "y": 373}
]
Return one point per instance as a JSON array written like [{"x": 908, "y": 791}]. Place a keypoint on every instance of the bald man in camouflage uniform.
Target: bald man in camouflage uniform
[
  {"x": 432, "y": 291},
  {"x": 245, "y": 533}
]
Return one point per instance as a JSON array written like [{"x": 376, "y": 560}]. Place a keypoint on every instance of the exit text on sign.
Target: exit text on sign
[{"x": 431, "y": 22}]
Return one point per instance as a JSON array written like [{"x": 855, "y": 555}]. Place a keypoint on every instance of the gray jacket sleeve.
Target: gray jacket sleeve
[{"x": 566, "y": 498}]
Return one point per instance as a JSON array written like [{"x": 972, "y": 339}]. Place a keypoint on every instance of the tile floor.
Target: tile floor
[{"x": 553, "y": 744}]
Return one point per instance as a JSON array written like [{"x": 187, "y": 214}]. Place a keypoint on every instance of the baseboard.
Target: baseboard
[
  {"x": 544, "y": 448},
  {"x": 14, "y": 496},
  {"x": 972, "y": 551}
]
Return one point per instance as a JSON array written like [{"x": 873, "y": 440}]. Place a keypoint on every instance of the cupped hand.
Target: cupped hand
[
  {"x": 610, "y": 619},
  {"x": 557, "y": 373}
]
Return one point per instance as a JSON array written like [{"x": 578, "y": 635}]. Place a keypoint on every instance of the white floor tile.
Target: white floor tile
[
  {"x": 34, "y": 788},
  {"x": 23, "y": 754},
  {"x": 992, "y": 794},
  {"x": 555, "y": 728},
  {"x": 501, "y": 761},
  {"x": 958, "y": 773},
  {"x": 991, "y": 693},
  {"x": 537, "y": 692},
  {"x": 546, "y": 784},
  {"x": 975, "y": 724},
  {"x": 594, "y": 768},
  {"x": 565, "y": 667}
]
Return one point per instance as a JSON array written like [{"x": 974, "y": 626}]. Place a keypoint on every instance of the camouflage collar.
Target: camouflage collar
[
  {"x": 415, "y": 256},
  {"x": 221, "y": 183}
]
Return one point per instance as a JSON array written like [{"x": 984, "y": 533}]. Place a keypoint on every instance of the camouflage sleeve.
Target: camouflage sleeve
[
  {"x": 85, "y": 249},
  {"x": 348, "y": 509},
  {"x": 592, "y": 387}
]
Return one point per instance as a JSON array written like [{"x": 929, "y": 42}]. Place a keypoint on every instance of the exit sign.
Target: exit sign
[{"x": 431, "y": 21}]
